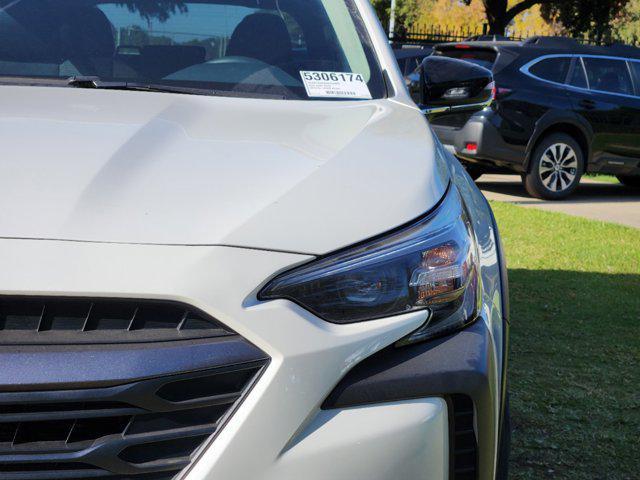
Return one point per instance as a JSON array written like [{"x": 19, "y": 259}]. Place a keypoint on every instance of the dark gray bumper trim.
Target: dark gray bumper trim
[{"x": 460, "y": 363}]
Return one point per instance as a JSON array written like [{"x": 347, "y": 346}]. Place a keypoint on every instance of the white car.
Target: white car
[{"x": 232, "y": 249}]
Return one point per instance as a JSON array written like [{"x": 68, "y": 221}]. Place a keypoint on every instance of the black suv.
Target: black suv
[{"x": 561, "y": 109}]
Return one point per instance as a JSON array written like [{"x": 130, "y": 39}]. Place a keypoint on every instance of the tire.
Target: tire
[
  {"x": 474, "y": 171},
  {"x": 629, "y": 181},
  {"x": 502, "y": 470},
  {"x": 555, "y": 168}
]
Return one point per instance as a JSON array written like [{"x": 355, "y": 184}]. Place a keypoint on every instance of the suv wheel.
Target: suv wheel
[
  {"x": 555, "y": 169},
  {"x": 629, "y": 181}
]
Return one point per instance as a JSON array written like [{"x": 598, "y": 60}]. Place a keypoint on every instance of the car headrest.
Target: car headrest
[
  {"x": 88, "y": 33},
  {"x": 611, "y": 82},
  {"x": 29, "y": 32},
  {"x": 159, "y": 61},
  {"x": 262, "y": 36}
]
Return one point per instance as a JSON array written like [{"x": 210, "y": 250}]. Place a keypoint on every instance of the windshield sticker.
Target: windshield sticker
[{"x": 335, "y": 85}]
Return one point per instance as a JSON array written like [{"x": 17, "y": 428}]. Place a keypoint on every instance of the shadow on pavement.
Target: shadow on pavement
[{"x": 586, "y": 192}]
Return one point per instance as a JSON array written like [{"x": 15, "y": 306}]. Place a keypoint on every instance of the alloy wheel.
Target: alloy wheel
[{"x": 558, "y": 167}]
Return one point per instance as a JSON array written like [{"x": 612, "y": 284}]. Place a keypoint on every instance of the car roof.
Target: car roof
[
  {"x": 550, "y": 45},
  {"x": 412, "y": 51},
  {"x": 481, "y": 43}
]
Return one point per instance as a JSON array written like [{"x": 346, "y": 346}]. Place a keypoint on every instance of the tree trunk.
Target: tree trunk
[
  {"x": 496, "y": 12},
  {"x": 497, "y": 24},
  {"x": 499, "y": 15}
]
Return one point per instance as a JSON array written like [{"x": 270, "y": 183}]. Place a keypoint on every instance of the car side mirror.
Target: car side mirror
[{"x": 447, "y": 84}]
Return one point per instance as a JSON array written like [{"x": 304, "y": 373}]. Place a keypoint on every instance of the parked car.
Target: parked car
[
  {"x": 561, "y": 110},
  {"x": 222, "y": 257},
  {"x": 409, "y": 58}
]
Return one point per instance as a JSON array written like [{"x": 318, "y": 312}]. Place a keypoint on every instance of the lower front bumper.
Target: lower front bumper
[
  {"x": 460, "y": 368},
  {"x": 396, "y": 440}
]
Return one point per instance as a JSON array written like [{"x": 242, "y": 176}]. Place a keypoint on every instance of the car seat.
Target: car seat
[{"x": 262, "y": 36}]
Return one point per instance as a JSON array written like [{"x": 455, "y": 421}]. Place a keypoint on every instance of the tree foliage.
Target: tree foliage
[
  {"x": 579, "y": 17},
  {"x": 626, "y": 26},
  {"x": 451, "y": 15},
  {"x": 455, "y": 15},
  {"x": 594, "y": 18},
  {"x": 159, "y": 10},
  {"x": 500, "y": 13},
  {"x": 407, "y": 12}
]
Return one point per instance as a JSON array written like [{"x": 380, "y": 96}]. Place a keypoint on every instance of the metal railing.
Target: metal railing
[{"x": 435, "y": 34}]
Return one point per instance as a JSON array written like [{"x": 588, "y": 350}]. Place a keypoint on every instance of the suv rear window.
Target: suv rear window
[
  {"x": 480, "y": 56},
  {"x": 551, "y": 69}
]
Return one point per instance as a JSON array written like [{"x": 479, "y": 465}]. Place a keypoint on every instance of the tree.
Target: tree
[
  {"x": 407, "y": 12},
  {"x": 448, "y": 15},
  {"x": 158, "y": 9},
  {"x": 500, "y": 13},
  {"x": 454, "y": 15},
  {"x": 592, "y": 17},
  {"x": 627, "y": 25}
]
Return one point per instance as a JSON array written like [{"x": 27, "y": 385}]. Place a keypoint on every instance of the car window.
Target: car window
[
  {"x": 551, "y": 69},
  {"x": 239, "y": 46},
  {"x": 578, "y": 77},
  {"x": 402, "y": 65},
  {"x": 608, "y": 75},
  {"x": 480, "y": 56},
  {"x": 635, "y": 67},
  {"x": 414, "y": 63},
  {"x": 134, "y": 30}
]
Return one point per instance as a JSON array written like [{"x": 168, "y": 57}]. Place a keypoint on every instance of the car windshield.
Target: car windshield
[
  {"x": 483, "y": 57},
  {"x": 293, "y": 49}
]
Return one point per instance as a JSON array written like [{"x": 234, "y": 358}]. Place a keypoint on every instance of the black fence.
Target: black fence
[{"x": 434, "y": 34}]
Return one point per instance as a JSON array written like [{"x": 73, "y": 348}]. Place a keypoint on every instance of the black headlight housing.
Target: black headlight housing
[{"x": 430, "y": 265}]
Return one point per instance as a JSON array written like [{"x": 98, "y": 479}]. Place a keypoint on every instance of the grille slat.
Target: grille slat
[
  {"x": 71, "y": 414},
  {"x": 155, "y": 435},
  {"x": 54, "y": 320},
  {"x": 464, "y": 447},
  {"x": 55, "y": 471},
  {"x": 137, "y": 394}
]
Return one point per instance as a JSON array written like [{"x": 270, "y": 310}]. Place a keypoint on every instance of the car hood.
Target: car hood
[{"x": 140, "y": 167}]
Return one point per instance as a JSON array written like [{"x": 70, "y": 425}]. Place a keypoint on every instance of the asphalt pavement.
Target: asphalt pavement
[{"x": 597, "y": 200}]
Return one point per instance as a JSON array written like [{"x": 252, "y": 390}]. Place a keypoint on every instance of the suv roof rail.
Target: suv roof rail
[
  {"x": 551, "y": 42},
  {"x": 487, "y": 38},
  {"x": 624, "y": 48}
]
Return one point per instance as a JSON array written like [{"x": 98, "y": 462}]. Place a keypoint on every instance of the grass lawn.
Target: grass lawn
[
  {"x": 601, "y": 178},
  {"x": 575, "y": 345}
]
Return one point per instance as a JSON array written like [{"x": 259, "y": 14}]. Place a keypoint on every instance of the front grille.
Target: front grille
[
  {"x": 142, "y": 430},
  {"x": 33, "y": 320},
  {"x": 464, "y": 446},
  {"x": 114, "y": 389}
]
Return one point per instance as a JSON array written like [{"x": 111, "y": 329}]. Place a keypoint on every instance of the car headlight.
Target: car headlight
[{"x": 430, "y": 265}]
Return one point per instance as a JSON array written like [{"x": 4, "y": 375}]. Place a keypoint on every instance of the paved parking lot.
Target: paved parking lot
[{"x": 597, "y": 200}]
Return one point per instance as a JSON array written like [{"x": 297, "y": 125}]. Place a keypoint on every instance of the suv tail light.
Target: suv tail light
[{"x": 502, "y": 92}]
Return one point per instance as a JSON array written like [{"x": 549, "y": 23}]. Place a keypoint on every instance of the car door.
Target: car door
[{"x": 602, "y": 91}]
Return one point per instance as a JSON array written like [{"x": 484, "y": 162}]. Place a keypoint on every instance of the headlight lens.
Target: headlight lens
[{"x": 430, "y": 265}]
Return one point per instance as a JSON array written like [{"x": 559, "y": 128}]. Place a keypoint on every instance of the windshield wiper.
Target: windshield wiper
[{"x": 96, "y": 82}]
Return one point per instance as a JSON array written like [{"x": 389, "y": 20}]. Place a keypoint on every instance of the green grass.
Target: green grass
[
  {"x": 598, "y": 177},
  {"x": 575, "y": 345}
]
